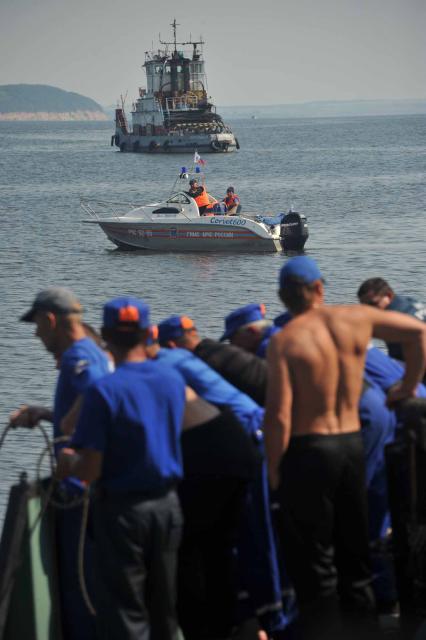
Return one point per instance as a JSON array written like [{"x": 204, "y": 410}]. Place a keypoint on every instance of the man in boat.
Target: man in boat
[
  {"x": 199, "y": 194},
  {"x": 376, "y": 292},
  {"x": 313, "y": 442},
  {"x": 232, "y": 202},
  {"x": 257, "y": 545},
  {"x": 57, "y": 315},
  {"x": 127, "y": 439},
  {"x": 247, "y": 327}
]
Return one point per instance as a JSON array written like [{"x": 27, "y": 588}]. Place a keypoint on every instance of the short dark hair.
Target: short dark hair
[
  {"x": 297, "y": 295},
  {"x": 374, "y": 286},
  {"x": 124, "y": 339}
]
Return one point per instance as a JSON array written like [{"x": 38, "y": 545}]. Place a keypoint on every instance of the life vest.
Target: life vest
[
  {"x": 203, "y": 199},
  {"x": 232, "y": 201}
]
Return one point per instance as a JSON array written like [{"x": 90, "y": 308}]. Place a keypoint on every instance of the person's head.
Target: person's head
[
  {"x": 301, "y": 285},
  {"x": 178, "y": 331},
  {"x": 376, "y": 292},
  {"x": 125, "y": 326},
  {"x": 230, "y": 191},
  {"x": 245, "y": 326},
  {"x": 56, "y": 312},
  {"x": 193, "y": 184}
]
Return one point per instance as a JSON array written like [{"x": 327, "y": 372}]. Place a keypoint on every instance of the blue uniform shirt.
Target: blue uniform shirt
[
  {"x": 410, "y": 306},
  {"x": 212, "y": 387},
  {"x": 81, "y": 364},
  {"x": 134, "y": 417},
  {"x": 383, "y": 371},
  {"x": 261, "y": 350},
  {"x": 281, "y": 320}
]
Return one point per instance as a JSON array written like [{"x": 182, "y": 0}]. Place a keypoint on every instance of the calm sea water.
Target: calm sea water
[{"x": 360, "y": 182}]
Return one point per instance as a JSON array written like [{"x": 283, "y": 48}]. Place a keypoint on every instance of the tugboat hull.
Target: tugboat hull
[{"x": 224, "y": 143}]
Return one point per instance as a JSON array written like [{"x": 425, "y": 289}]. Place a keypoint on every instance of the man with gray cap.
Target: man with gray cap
[
  {"x": 312, "y": 435},
  {"x": 56, "y": 312}
]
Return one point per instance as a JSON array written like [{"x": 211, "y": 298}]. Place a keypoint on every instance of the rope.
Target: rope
[{"x": 81, "y": 542}]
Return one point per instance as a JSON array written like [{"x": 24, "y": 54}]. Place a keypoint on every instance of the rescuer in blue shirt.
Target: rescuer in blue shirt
[
  {"x": 247, "y": 328},
  {"x": 376, "y": 292},
  {"x": 259, "y": 566},
  {"x": 384, "y": 371},
  {"x": 128, "y": 441},
  {"x": 56, "y": 312}
]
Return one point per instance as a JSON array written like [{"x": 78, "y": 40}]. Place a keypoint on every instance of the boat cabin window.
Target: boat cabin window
[
  {"x": 180, "y": 198},
  {"x": 170, "y": 210}
]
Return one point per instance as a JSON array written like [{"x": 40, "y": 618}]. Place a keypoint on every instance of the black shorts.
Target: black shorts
[{"x": 323, "y": 516}]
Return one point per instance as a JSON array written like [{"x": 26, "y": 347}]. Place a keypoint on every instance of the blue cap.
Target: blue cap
[
  {"x": 300, "y": 269},
  {"x": 242, "y": 316},
  {"x": 174, "y": 327},
  {"x": 126, "y": 314}
]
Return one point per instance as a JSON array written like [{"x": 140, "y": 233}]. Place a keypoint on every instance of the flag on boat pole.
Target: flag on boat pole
[{"x": 198, "y": 159}]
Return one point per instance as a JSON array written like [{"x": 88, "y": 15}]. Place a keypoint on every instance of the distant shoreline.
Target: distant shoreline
[{"x": 67, "y": 116}]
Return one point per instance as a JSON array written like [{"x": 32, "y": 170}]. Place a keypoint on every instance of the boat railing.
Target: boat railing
[
  {"x": 97, "y": 208},
  {"x": 181, "y": 103}
]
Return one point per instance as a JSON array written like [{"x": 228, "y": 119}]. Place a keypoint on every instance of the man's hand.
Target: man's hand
[
  {"x": 66, "y": 459},
  {"x": 397, "y": 393},
  {"x": 29, "y": 416}
]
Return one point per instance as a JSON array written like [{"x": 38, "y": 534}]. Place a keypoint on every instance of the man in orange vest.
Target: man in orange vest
[
  {"x": 232, "y": 202},
  {"x": 199, "y": 194}
]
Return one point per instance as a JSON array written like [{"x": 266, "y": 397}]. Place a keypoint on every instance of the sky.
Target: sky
[{"x": 257, "y": 52}]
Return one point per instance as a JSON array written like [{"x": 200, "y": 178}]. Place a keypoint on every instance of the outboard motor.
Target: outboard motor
[{"x": 294, "y": 231}]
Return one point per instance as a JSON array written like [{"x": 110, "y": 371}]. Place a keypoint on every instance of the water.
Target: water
[{"x": 360, "y": 181}]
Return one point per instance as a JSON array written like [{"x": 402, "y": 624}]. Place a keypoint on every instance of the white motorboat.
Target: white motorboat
[{"x": 176, "y": 225}]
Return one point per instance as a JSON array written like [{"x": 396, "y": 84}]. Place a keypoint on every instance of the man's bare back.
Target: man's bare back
[
  {"x": 324, "y": 350},
  {"x": 315, "y": 367}
]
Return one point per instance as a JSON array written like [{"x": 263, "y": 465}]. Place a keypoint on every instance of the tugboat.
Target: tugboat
[{"x": 173, "y": 114}]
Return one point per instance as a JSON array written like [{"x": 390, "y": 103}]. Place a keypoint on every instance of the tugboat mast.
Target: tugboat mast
[{"x": 194, "y": 43}]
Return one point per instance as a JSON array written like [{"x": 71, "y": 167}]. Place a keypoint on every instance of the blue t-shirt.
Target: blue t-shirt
[
  {"x": 378, "y": 429},
  {"x": 210, "y": 385},
  {"x": 267, "y": 335},
  {"x": 134, "y": 417},
  {"x": 81, "y": 364},
  {"x": 281, "y": 320},
  {"x": 383, "y": 371},
  {"x": 410, "y": 306}
]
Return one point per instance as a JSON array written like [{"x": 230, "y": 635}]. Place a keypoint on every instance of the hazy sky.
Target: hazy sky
[{"x": 263, "y": 52}]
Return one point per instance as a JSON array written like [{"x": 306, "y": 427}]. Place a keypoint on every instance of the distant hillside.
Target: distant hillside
[{"x": 42, "y": 102}]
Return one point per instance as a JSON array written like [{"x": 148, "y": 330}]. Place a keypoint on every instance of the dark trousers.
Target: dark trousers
[
  {"x": 77, "y": 621},
  {"x": 136, "y": 543},
  {"x": 207, "y": 588},
  {"x": 324, "y": 520},
  {"x": 219, "y": 460}
]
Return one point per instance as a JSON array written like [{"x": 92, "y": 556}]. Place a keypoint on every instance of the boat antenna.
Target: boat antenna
[{"x": 174, "y": 24}]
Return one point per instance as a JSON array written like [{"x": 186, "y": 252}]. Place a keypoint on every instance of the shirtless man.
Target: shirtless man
[{"x": 312, "y": 431}]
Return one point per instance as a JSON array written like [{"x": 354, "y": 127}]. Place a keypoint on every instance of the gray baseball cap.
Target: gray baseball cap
[{"x": 55, "y": 299}]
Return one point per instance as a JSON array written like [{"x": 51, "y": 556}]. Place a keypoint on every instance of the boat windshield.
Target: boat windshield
[{"x": 179, "y": 198}]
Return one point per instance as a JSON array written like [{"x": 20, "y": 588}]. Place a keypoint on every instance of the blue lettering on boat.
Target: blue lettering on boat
[{"x": 236, "y": 221}]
